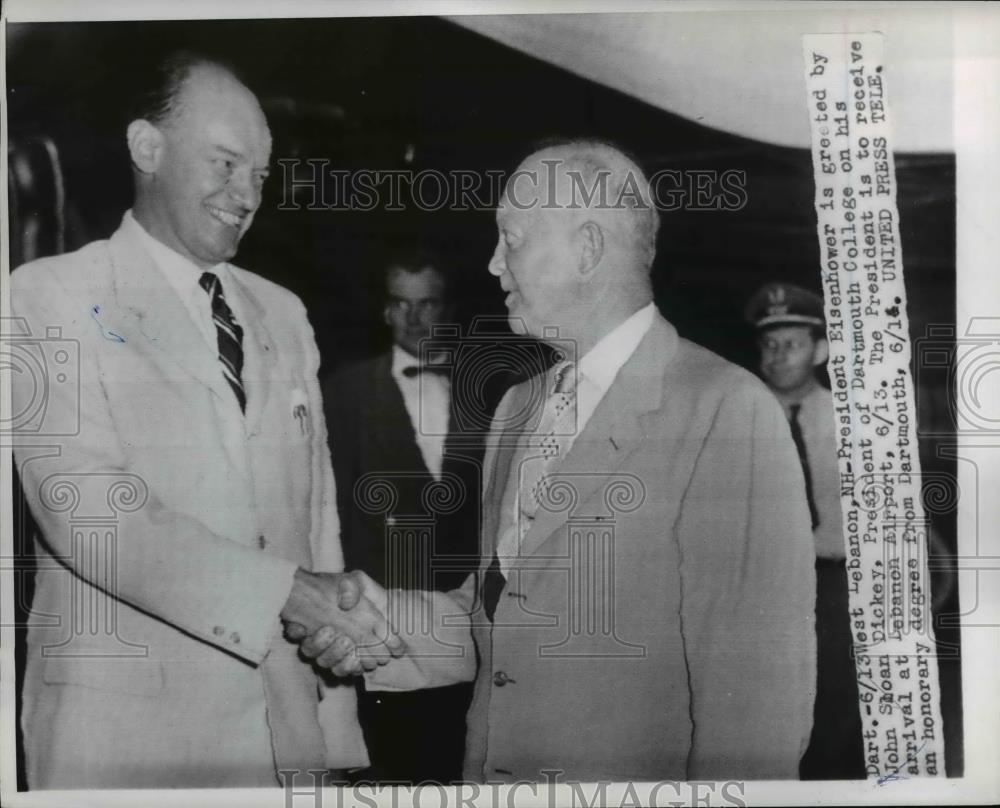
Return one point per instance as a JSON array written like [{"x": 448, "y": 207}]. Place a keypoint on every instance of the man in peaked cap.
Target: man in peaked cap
[{"x": 791, "y": 336}]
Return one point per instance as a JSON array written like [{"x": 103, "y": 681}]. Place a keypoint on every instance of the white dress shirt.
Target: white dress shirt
[
  {"x": 596, "y": 371},
  {"x": 598, "y": 368},
  {"x": 427, "y": 397},
  {"x": 183, "y": 277}
]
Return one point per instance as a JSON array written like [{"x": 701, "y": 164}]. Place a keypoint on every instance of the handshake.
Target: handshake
[{"x": 339, "y": 621}]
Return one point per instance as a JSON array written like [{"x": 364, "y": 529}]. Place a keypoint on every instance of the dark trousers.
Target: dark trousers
[
  {"x": 835, "y": 749},
  {"x": 414, "y": 737}
]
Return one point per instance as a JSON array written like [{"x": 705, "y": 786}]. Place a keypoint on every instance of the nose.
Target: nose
[
  {"x": 413, "y": 315},
  {"x": 244, "y": 190},
  {"x": 497, "y": 264}
]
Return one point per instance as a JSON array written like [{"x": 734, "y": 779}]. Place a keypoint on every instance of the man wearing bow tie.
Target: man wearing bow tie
[
  {"x": 392, "y": 422},
  {"x": 180, "y": 477}
]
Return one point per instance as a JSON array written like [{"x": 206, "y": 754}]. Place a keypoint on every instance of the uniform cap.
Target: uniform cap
[{"x": 784, "y": 304}]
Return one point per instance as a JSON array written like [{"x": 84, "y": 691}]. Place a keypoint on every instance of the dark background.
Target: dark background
[{"x": 421, "y": 93}]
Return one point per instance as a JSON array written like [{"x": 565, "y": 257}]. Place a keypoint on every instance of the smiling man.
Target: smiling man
[{"x": 156, "y": 657}]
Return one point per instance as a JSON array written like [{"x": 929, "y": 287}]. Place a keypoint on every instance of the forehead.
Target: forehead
[
  {"x": 527, "y": 198},
  {"x": 425, "y": 283},
  {"x": 786, "y": 333},
  {"x": 216, "y": 108}
]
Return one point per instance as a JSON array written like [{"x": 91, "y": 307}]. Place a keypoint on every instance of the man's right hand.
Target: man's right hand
[{"x": 337, "y": 625}]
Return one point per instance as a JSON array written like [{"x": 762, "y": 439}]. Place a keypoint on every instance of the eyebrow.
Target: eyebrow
[{"x": 233, "y": 153}]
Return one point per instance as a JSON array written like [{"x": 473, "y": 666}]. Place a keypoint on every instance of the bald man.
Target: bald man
[
  {"x": 644, "y": 607},
  {"x": 191, "y": 506},
  {"x": 682, "y": 642}
]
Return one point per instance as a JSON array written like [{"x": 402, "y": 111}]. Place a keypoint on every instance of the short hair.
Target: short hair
[
  {"x": 413, "y": 260},
  {"x": 627, "y": 182},
  {"x": 159, "y": 99}
]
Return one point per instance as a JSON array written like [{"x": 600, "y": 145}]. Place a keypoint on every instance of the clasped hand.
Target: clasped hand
[{"x": 339, "y": 622}]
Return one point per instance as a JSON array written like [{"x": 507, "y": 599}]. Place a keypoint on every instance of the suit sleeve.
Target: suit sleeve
[
  {"x": 433, "y": 659},
  {"x": 437, "y": 630},
  {"x": 748, "y": 595},
  {"x": 164, "y": 562}
]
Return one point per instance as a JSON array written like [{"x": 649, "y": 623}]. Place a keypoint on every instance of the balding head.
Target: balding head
[
  {"x": 200, "y": 159},
  {"x": 577, "y": 240},
  {"x": 601, "y": 182}
]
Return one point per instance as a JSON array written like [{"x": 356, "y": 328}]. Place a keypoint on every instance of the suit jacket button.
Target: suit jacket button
[
  {"x": 235, "y": 638},
  {"x": 261, "y": 541},
  {"x": 218, "y": 631},
  {"x": 500, "y": 679}
]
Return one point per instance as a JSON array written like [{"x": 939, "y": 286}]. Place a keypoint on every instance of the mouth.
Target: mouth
[
  {"x": 510, "y": 288},
  {"x": 227, "y": 218}
]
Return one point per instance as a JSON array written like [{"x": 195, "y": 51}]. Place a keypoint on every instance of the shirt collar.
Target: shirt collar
[
  {"x": 601, "y": 363},
  {"x": 402, "y": 359},
  {"x": 181, "y": 273}
]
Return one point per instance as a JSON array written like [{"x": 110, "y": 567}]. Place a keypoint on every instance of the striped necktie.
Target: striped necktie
[{"x": 230, "y": 337}]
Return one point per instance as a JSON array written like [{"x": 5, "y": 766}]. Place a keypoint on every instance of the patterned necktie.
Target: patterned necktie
[
  {"x": 557, "y": 427},
  {"x": 800, "y": 444},
  {"x": 230, "y": 337}
]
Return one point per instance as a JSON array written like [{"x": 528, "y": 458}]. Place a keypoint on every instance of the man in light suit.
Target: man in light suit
[
  {"x": 180, "y": 477},
  {"x": 663, "y": 524},
  {"x": 391, "y": 420},
  {"x": 643, "y": 609}
]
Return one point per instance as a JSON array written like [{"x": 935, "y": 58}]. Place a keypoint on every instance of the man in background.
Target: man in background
[
  {"x": 180, "y": 477},
  {"x": 791, "y": 336},
  {"x": 392, "y": 419}
]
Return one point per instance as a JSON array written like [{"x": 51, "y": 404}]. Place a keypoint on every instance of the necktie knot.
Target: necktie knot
[{"x": 207, "y": 281}]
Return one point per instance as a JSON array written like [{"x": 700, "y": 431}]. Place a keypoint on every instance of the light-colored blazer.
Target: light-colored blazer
[
  {"x": 172, "y": 527},
  {"x": 658, "y": 623}
]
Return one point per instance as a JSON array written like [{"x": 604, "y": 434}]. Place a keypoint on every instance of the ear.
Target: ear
[
  {"x": 145, "y": 145},
  {"x": 821, "y": 352},
  {"x": 592, "y": 246}
]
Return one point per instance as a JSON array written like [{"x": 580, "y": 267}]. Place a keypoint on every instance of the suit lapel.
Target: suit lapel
[
  {"x": 395, "y": 434},
  {"x": 506, "y": 443},
  {"x": 614, "y": 431},
  {"x": 162, "y": 328}
]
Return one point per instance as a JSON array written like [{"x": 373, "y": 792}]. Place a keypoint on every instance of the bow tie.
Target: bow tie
[{"x": 435, "y": 370}]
